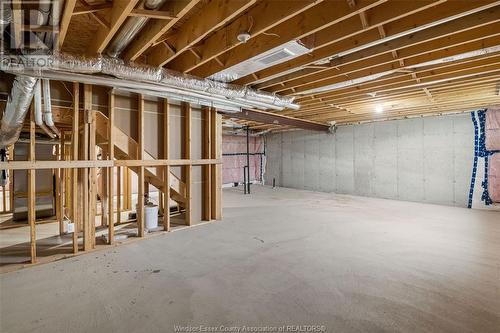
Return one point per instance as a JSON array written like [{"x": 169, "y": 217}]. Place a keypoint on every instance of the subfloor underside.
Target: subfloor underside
[{"x": 279, "y": 257}]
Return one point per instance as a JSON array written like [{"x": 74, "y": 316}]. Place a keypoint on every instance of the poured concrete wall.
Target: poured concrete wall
[{"x": 422, "y": 159}]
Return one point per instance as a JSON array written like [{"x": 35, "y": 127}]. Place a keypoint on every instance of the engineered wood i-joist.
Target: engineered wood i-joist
[
  {"x": 472, "y": 21},
  {"x": 216, "y": 14},
  {"x": 155, "y": 29},
  {"x": 263, "y": 16},
  {"x": 445, "y": 47},
  {"x": 314, "y": 19},
  {"x": 350, "y": 35},
  {"x": 69, "y": 6},
  {"x": 119, "y": 13}
]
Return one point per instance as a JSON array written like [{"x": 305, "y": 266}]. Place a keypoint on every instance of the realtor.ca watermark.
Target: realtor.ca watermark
[
  {"x": 29, "y": 31},
  {"x": 243, "y": 328}
]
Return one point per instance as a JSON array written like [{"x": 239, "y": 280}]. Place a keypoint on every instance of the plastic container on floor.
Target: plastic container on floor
[{"x": 150, "y": 216}]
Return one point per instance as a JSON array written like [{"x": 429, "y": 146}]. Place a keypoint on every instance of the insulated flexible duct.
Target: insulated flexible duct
[
  {"x": 38, "y": 109},
  {"x": 16, "y": 109},
  {"x": 47, "y": 111},
  {"x": 159, "y": 78},
  {"x": 130, "y": 29},
  {"x": 5, "y": 19}
]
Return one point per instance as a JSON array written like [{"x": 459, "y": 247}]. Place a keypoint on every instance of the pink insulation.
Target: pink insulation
[
  {"x": 233, "y": 149},
  {"x": 493, "y": 128},
  {"x": 494, "y": 177},
  {"x": 493, "y": 144}
]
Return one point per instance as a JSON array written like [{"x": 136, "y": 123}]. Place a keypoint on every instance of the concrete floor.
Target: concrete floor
[{"x": 280, "y": 257}]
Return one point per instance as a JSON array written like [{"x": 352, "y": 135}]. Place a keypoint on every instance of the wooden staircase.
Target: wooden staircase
[{"x": 126, "y": 148}]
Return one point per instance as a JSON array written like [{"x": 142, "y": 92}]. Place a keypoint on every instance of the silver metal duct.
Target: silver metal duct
[
  {"x": 130, "y": 29},
  {"x": 16, "y": 109},
  {"x": 5, "y": 19},
  {"x": 38, "y": 109},
  {"x": 126, "y": 76},
  {"x": 6, "y": 14},
  {"x": 47, "y": 111},
  {"x": 158, "y": 79}
]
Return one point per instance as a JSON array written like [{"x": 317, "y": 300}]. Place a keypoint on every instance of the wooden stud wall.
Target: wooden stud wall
[
  {"x": 77, "y": 163},
  {"x": 111, "y": 179},
  {"x": 140, "y": 174},
  {"x": 32, "y": 190},
  {"x": 188, "y": 169}
]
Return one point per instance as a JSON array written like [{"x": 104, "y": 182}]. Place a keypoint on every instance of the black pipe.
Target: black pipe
[
  {"x": 248, "y": 159},
  {"x": 245, "y": 179}
]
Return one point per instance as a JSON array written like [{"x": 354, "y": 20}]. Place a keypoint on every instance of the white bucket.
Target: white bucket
[{"x": 150, "y": 217}]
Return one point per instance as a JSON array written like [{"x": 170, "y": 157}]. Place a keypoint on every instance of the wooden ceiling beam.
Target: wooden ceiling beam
[
  {"x": 69, "y": 7},
  {"x": 311, "y": 101},
  {"x": 363, "y": 97},
  {"x": 277, "y": 119},
  {"x": 444, "y": 47},
  {"x": 460, "y": 99},
  {"x": 216, "y": 14},
  {"x": 423, "y": 112},
  {"x": 118, "y": 14},
  {"x": 89, "y": 9},
  {"x": 428, "y": 77},
  {"x": 412, "y": 92},
  {"x": 350, "y": 35},
  {"x": 17, "y": 22},
  {"x": 154, "y": 30},
  {"x": 153, "y": 14},
  {"x": 408, "y": 104},
  {"x": 314, "y": 19},
  {"x": 102, "y": 21},
  {"x": 433, "y": 53},
  {"x": 263, "y": 16}
]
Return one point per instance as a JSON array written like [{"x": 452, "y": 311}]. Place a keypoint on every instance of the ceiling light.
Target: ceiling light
[
  {"x": 379, "y": 109},
  {"x": 243, "y": 37}
]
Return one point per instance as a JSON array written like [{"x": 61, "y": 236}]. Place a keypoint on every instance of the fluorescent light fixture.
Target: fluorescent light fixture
[{"x": 379, "y": 109}]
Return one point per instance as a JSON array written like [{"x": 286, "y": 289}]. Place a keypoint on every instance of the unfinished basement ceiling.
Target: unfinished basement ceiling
[{"x": 360, "y": 61}]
